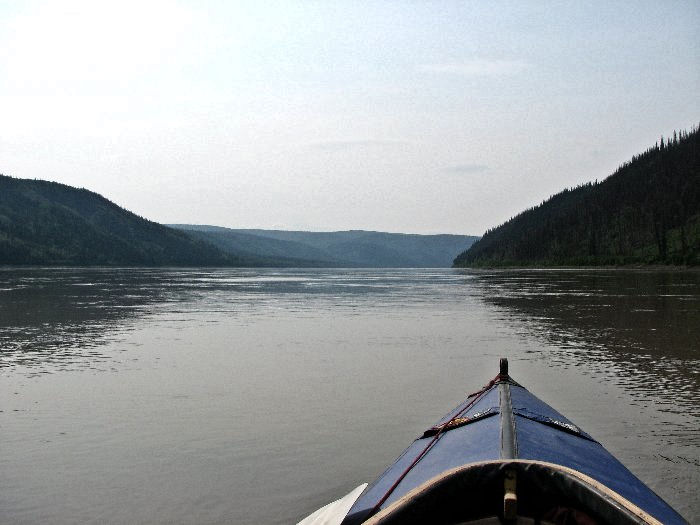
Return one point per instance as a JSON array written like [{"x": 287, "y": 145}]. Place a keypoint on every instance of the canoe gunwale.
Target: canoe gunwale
[{"x": 609, "y": 503}]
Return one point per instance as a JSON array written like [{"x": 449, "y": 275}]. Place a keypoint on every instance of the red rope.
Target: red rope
[{"x": 477, "y": 395}]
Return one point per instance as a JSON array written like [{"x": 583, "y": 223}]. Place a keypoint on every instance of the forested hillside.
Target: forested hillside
[
  {"x": 380, "y": 249},
  {"x": 647, "y": 212},
  {"x": 354, "y": 248},
  {"x": 48, "y": 223},
  {"x": 286, "y": 253}
]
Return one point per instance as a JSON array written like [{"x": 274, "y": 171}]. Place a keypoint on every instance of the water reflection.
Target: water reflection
[
  {"x": 249, "y": 380},
  {"x": 639, "y": 328},
  {"x": 59, "y": 318},
  {"x": 62, "y": 318}
]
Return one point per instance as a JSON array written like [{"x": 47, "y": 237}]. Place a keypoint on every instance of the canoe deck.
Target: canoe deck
[{"x": 459, "y": 466}]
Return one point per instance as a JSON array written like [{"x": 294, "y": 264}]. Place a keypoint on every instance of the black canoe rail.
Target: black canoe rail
[
  {"x": 569, "y": 428},
  {"x": 460, "y": 422}
]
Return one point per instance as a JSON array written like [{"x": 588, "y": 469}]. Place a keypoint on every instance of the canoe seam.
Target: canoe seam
[{"x": 509, "y": 442}]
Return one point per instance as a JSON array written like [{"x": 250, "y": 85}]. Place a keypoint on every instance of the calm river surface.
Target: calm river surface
[{"x": 256, "y": 396}]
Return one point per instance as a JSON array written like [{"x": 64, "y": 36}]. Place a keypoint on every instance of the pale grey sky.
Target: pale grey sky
[{"x": 422, "y": 117}]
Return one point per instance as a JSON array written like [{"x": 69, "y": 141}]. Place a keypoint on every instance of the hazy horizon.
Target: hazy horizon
[
  {"x": 174, "y": 224},
  {"x": 400, "y": 117}
]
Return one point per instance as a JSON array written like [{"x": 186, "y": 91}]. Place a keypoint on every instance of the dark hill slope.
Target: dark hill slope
[
  {"x": 48, "y": 223},
  {"x": 355, "y": 248},
  {"x": 287, "y": 253},
  {"x": 380, "y": 249},
  {"x": 648, "y": 211}
]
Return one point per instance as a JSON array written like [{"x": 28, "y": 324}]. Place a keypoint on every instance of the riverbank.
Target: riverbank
[{"x": 648, "y": 267}]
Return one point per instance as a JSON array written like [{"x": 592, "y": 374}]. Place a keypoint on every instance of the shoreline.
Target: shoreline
[{"x": 650, "y": 267}]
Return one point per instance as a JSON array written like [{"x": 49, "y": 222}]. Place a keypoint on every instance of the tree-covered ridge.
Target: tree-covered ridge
[
  {"x": 284, "y": 253},
  {"x": 647, "y": 212},
  {"x": 48, "y": 223},
  {"x": 353, "y": 248}
]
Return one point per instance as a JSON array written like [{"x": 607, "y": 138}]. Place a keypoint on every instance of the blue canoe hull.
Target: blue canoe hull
[{"x": 504, "y": 421}]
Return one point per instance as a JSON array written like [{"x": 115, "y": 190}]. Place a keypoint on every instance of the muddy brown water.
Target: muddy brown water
[{"x": 256, "y": 396}]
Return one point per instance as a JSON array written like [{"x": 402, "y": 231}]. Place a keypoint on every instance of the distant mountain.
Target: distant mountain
[
  {"x": 47, "y": 223},
  {"x": 287, "y": 253},
  {"x": 355, "y": 248},
  {"x": 648, "y": 211}
]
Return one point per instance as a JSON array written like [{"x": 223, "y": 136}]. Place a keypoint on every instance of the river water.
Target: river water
[{"x": 256, "y": 396}]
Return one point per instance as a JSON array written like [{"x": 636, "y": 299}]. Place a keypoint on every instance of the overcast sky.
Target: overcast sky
[{"x": 396, "y": 116}]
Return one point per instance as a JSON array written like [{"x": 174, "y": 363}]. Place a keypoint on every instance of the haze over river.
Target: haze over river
[{"x": 257, "y": 396}]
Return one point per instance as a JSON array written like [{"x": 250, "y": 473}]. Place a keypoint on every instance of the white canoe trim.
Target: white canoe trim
[
  {"x": 334, "y": 513},
  {"x": 620, "y": 500}
]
